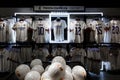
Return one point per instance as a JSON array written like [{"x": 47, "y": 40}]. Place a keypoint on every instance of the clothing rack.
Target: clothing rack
[
  {"x": 20, "y": 46},
  {"x": 64, "y": 45}
]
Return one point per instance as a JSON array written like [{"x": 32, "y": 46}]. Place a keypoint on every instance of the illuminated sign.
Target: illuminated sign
[{"x": 58, "y": 8}]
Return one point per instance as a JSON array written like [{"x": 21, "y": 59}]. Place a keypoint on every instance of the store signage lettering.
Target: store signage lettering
[{"x": 58, "y": 8}]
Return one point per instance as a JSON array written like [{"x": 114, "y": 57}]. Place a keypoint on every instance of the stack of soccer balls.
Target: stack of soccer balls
[{"x": 58, "y": 70}]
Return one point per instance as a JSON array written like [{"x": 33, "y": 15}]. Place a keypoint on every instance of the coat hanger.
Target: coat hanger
[
  {"x": 1, "y": 19},
  {"x": 22, "y": 19},
  {"x": 78, "y": 19},
  {"x": 58, "y": 19}
]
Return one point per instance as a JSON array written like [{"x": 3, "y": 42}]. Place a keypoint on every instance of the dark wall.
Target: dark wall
[
  {"x": 10, "y": 11},
  {"x": 107, "y": 11}
]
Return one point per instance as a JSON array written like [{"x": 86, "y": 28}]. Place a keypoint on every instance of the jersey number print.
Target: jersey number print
[
  {"x": 21, "y": 28},
  {"x": 99, "y": 29},
  {"x": 40, "y": 31},
  {"x": 115, "y": 29},
  {"x": 77, "y": 29}
]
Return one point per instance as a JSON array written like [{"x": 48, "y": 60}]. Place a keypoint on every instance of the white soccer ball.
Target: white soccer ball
[
  {"x": 46, "y": 76},
  {"x": 68, "y": 68},
  {"x": 21, "y": 71},
  {"x": 68, "y": 76},
  {"x": 59, "y": 59},
  {"x": 38, "y": 68},
  {"x": 47, "y": 67},
  {"x": 32, "y": 75},
  {"x": 35, "y": 62},
  {"x": 56, "y": 71},
  {"x": 79, "y": 73}
]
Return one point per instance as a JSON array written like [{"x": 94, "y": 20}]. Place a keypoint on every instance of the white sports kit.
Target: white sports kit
[
  {"x": 21, "y": 29},
  {"x": 39, "y": 33},
  {"x": 115, "y": 31},
  {"x": 58, "y": 29},
  {"x": 77, "y": 29},
  {"x": 99, "y": 30}
]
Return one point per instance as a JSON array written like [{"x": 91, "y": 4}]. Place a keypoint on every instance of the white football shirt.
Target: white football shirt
[
  {"x": 39, "y": 31},
  {"x": 78, "y": 27},
  {"x": 21, "y": 28},
  {"x": 115, "y": 31},
  {"x": 99, "y": 30},
  {"x": 58, "y": 29}
]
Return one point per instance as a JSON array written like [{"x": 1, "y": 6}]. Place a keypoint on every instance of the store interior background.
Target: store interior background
[{"x": 110, "y": 12}]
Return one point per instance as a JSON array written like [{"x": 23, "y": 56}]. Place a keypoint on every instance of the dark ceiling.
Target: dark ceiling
[{"x": 86, "y": 3}]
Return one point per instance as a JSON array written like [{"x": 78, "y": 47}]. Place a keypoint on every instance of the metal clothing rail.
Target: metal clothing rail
[{"x": 40, "y": 44}]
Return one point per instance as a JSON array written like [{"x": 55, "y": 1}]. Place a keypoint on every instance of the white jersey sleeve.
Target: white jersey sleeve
[{"x": 64, "y": 24}]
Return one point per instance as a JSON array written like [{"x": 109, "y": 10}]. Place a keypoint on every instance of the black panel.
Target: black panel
[{"x": 86, "y": 3}]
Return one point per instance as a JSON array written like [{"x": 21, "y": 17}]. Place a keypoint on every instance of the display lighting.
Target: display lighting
[
  {"x": 88, "y": 13},
  {"x": 17, "y": 13},
  {"x": 81, "y": 13}
]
